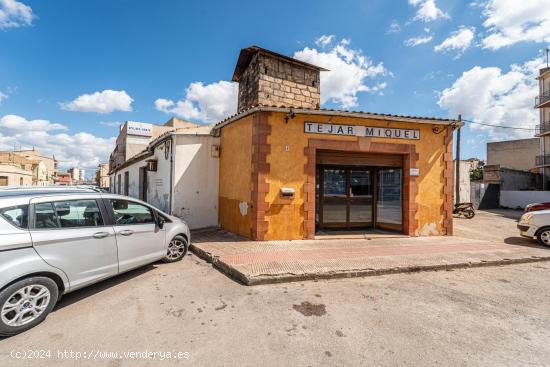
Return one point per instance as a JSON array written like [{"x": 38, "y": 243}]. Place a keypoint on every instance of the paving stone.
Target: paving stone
[{"x": 260, "y": 262}]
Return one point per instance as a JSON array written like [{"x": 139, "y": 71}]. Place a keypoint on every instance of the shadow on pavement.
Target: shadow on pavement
[
  {"x": 506, "y": 213},
  {"x": 522, "y": 241},
  {"x": 90, "y": 290}
]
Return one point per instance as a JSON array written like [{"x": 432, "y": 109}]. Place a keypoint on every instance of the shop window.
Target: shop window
[{"x": 3, "y": 180}]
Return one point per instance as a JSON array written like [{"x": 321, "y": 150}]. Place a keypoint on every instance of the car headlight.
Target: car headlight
[{"x": 525, "y": 218}]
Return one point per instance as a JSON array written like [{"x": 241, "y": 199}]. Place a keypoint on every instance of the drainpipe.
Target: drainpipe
[{"x": 457, "y": 174}]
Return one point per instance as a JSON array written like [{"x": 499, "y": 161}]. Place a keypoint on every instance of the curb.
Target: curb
[{"x": 241, "y": 278}]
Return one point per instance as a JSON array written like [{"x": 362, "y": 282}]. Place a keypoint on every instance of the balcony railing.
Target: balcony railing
[
  {"x": 542, "y": 160},
  {"x": 542, "y": 128},
  {"x": 543, "y": 98}
]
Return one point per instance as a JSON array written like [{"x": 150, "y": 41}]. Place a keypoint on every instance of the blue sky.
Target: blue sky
[{"x": 163, "y": 58}]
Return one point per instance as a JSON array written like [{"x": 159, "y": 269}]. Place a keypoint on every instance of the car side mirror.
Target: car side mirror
[{"x": 160, "y": 221}]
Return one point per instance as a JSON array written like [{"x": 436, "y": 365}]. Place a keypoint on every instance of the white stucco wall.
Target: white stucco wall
[
  {"x": 195, "y": 180},
  {"x": 464, "y": 188},
  {"x": 158, "y": 185},
  {"x": 519, "y": 199}
]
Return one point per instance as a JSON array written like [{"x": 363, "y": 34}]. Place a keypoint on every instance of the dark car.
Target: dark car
[{"x": 537, "y": 206}]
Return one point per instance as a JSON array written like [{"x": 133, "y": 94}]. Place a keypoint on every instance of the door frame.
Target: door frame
[
  {"x": 374, "y": 171},
  {"x": 410, "y": 183}
]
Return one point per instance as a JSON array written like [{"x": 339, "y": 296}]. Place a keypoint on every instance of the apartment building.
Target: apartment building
[{"x": 542, "y": 103}]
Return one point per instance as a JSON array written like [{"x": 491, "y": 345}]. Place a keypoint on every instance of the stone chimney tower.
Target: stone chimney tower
[{"x": 270, "y": 79}]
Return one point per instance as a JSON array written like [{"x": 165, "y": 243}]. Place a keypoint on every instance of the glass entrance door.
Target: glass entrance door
[
  {"x": 359, "y": 197},
  {"x": 345, "y": 198},
  {"x": 334, "y": 198}
]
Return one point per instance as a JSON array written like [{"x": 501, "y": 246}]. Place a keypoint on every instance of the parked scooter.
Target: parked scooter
[{"x": 465, "y": 209}]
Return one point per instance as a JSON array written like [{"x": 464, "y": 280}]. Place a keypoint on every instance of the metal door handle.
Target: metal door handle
[
  {"x": 126, "y": 232},
  {"x": 101, "y": 234}
]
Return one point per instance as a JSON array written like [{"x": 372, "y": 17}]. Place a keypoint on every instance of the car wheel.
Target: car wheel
[
  {"x": 26, "y": 303},
  {"x": 177, "y": 249},
  {"x": 544, "y": 236},
  {"x": 469, "y": 213}
]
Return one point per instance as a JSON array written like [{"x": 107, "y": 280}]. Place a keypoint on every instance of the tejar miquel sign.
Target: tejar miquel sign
[{"x": 357, "y": 130}]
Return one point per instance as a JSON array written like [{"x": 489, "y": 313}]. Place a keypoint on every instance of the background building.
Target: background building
[
  {"x": 15, "y": 170},
  {"x": 63, "y": 179},
  {"x": 542, "y": 102},
  {"x": 514, "y": 154},
  {"x": 27, "y": 167},
  {"x": 134, "y": 137},
  {"x": 176, "y": 172},
  {"x": 78, "y": 175},
  {"x": 102, "y": 175}
]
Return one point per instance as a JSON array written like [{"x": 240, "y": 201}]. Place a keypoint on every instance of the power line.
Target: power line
[{"x": 499, "y": 126}]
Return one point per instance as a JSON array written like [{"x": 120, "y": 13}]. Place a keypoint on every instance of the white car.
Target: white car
[
  {"x": 53, "y": 242},
  {"x": 536, "y": 225}
]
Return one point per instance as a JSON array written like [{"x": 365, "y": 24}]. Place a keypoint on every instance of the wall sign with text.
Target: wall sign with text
[{"x": 357, "y": 130}]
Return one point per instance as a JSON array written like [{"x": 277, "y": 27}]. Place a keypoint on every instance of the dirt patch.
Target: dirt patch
[{"x": 310, "y": 309}]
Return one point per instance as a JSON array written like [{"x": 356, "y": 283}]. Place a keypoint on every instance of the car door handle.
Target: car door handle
[
  {"x": 126, "y": 232},
  {"x": 101, "y": 234}
]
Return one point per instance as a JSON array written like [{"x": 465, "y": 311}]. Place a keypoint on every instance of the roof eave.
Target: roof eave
[{"x": 374, "y": 116}]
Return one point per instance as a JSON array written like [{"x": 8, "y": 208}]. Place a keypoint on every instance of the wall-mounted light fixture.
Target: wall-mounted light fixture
[{"x": 290, "y": 115}]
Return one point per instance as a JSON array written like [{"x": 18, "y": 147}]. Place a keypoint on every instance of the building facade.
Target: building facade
[
  {"x": 135, "y": 136},
  {"x": 27, "y": 167},
  {"x": 283, "y": 168},
  {"x": 178, "y": 173},
  {"x": 78, "y": 175},
  {"x": 514, "y": 154},
  {"x": 15, "y": 170},
  {"x": 102, "y": 175},
  {"x": 289, "y": 170},
  {"x": 542, "y": 103}
]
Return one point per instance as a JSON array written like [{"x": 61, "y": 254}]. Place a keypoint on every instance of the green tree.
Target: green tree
[{"x": 477, "y": 173}]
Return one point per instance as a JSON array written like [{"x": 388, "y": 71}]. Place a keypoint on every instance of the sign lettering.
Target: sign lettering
[{"x": 357, "y": 130}]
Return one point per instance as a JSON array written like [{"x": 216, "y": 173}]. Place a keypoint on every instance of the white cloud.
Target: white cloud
[
  {"x": 80, "y": 150},
  {"x": 459, "y": 40},
  {"x": 427, "y": 10},
  {"x": 512, "y": 21},
  {"x": 205, "y": 103},
  {"x": 324, "y": 40},
  {"x": 100, "y": 102},
  {"x": 349, "y": 71},
  {"x": 416, "y": 41},
  {"x": 393, "y": 28},
  {"x": 15, "y": 124},
  {"x": 487, "y": 95},
  {"x": 14, "y": 14},
  {"x": 3, "y": 96},
  {"x": 110, "y": 123}
]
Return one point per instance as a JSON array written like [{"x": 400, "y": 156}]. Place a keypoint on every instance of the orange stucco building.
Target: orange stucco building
[{"x": 289, "y": 170}]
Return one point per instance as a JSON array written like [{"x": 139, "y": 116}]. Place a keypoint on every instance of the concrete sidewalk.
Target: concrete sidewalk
[{"x": 254, "y": 263}]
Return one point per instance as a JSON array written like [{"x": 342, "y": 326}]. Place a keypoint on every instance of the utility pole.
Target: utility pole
[{"x": 457, "y": 169}]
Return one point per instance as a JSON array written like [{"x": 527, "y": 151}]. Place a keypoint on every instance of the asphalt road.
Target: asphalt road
[{"x": 473, "y": 317}]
